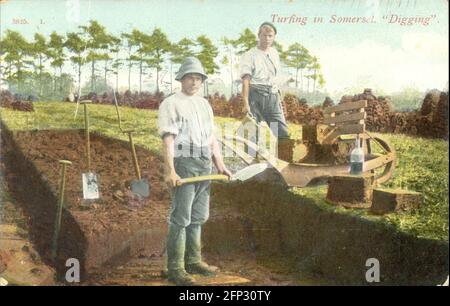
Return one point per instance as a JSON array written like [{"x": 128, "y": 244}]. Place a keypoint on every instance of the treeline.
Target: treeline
[{"x": 36, "y": 67}]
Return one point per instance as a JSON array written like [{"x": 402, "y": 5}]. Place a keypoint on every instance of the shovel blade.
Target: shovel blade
[
  {"x": 140, "y": 187},
  {"x": 90, "y": 186},
  {"x": 249, "y": 172}
]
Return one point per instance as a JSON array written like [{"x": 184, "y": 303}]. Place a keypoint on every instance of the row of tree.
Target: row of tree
[{"x": 106, "y": 54}]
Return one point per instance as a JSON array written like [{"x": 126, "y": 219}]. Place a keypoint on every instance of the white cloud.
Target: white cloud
[{"x": 422, "y": 61}]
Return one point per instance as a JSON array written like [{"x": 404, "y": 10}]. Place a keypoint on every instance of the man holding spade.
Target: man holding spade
[{"x": 186, "y": 126}]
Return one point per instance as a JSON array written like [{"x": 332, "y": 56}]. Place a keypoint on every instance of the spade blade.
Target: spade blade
[
  {"x": 90, "y": 186},
  {"x": 249, "y": 172},
  {"x": 140, "y": 187}
]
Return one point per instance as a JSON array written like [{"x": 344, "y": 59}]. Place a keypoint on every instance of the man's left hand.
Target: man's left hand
[{"x": 224, "y": 170}]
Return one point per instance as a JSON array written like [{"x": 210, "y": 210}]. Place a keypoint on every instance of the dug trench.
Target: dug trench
[{"x": 255, "y": 219}]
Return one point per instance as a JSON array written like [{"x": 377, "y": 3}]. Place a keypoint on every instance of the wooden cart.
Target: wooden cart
[{"x": 341, "y": 124}]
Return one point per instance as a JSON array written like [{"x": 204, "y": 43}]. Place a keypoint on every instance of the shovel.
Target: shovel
[
  {"x": 62, "y": 184},
  {"x": 90, "y": 180},
  {"x": 138, "y": 186},
  {"x": 241, "y": 175}
]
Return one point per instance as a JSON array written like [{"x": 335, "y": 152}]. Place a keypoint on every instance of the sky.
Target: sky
[{"x": 386, "y": 52}]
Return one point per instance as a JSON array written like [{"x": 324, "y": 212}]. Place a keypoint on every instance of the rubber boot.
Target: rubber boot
[
  {"x": 176, "y": 241},
  {"x": 193, "y": 258},
  {"x": 193, "y": 253}
]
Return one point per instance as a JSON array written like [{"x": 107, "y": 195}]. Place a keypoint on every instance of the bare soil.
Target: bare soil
[
  {"x": 119, "y": 241},
  {"x": 94, "y": 231}
]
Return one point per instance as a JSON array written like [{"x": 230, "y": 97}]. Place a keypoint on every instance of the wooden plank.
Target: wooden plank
[
  {"x": 378, "y": 161},
  {"x": 352, "y": 138},
  {"x": 323, "y": 131},
  {"x": 345, "y": 118},
  {"x": 330, "y": 137},
  {"x": 351, "y": 129},
  {"x": 345, "y": 107}
]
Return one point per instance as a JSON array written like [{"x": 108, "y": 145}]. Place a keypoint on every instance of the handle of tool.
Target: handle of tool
[
  {"x": 78, "y": 101},
  {"x": 88, "y": 141},
  {"x": 62, "y": 184},
  {"x": 195, "y": 179},
  {"x": 116, "y": 104},
  {"x": 135, "y": 160}
]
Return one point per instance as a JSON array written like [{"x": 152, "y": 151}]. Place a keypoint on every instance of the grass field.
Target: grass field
[{"x": 422, "y": 165}]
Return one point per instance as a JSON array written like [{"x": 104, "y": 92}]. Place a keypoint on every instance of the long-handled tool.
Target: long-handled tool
[
  {"x": 90, "y": 180},
  {"x": 62, "y": 184},
  {"x": 241, "y": 175},
  {"x": 140, "y": 185},
  {"x": 119, "y": 119}
]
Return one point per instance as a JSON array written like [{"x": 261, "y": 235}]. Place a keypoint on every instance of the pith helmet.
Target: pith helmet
[{"x": 191, "y": 65}]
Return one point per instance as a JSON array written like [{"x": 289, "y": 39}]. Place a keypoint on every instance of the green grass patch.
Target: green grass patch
[{"x": 422, "y": 164}]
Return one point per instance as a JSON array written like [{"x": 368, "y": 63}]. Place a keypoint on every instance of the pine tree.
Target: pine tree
[
  {"x": 39, "y": 49},
  {"x": 16, "y": 51},
  {"x": 246, "y": 41},
  {"x": 206, "y": 55},
  {"x": 297, "y": 57},
  {"x": 98, "y": 42},
  {"x": 57, "y": 56},
  {"x": 77, "y": 46},
  {"x": 156, "y": 47}
]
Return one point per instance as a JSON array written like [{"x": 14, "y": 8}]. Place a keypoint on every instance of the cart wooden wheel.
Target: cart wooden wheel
[{"x": 384, "y": 172}]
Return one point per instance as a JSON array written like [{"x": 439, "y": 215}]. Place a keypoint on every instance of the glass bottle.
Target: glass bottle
[{"x": 357, "y": 158}]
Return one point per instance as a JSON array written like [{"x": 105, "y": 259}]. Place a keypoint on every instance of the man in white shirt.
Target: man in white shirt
[
  {"x": 186, "y": 124},
  {"x": 260, "y": 67}
]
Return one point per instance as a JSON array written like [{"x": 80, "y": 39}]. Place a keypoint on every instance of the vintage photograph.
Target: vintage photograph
[{"x": 224, "y": 143}]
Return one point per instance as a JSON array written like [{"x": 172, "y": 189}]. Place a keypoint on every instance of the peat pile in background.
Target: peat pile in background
[
  {"x": 378, "y": 110},
  {"x": 226, "y": 108},
  {"x": 297, "y": 111},
  {"x": 16, "y": 102},
  {"x": 430, "y": 102},
  {"x": 430, "y": 121},
  {"x": 145, "y": 99},
  {"x": 327, "y": 102},
  {"x": 440, "y": 117}
]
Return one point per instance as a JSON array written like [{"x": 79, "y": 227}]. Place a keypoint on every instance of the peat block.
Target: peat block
[
  {"x": 391, "y": 200},
  {"x": 313, "y": 132},
  {"x": 351, "y": 190}
]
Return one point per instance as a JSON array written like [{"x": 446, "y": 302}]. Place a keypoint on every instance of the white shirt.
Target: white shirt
[
  {"x": 263, "y": 67},
  {"x": 190, "y": 118}
]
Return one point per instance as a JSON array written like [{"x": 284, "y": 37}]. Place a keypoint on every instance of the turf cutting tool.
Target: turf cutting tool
[{"x": 241, "y": 175}]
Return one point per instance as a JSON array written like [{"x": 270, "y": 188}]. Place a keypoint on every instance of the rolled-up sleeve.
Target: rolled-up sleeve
[
  {"x": 246, "y": 65},
  {"x": 167, "y": 119}
]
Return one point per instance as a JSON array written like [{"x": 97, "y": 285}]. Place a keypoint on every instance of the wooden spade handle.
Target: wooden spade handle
[
  {"x": 135, "y": 160},
  {"x": 212, "y": 177},
  {"x": 62, "y": 184},
  {"x": 88, "y": 141}
]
